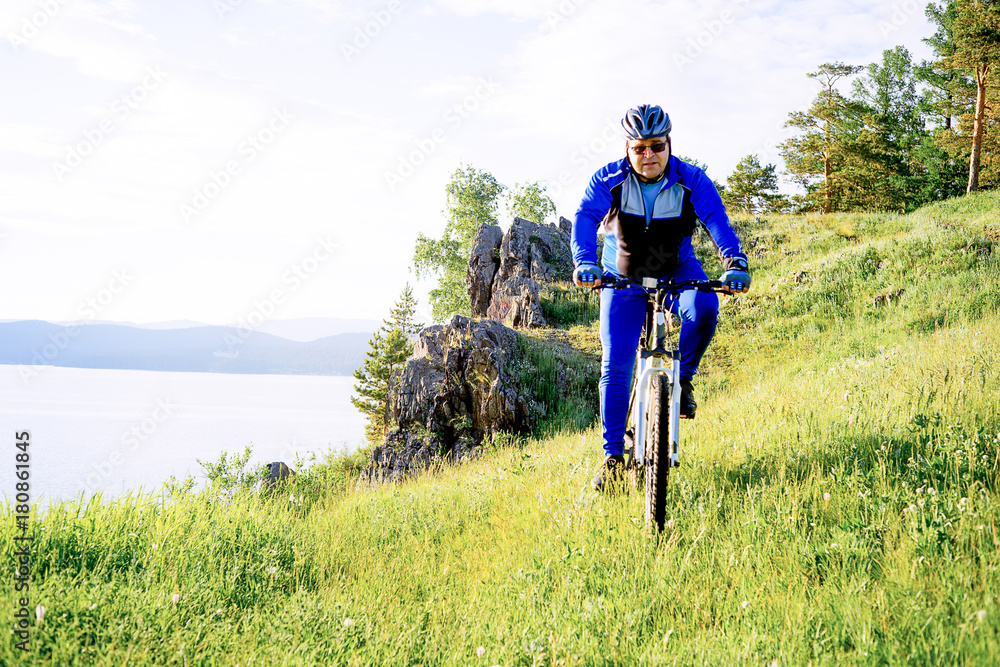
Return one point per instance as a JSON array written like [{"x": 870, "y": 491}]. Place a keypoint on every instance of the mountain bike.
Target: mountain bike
[{"x": 655, "y": 399}]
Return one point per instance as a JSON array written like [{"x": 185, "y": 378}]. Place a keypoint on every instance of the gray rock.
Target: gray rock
[
  {"x": 454, "y": 394},
  {"x": 483, "y": 264},
  {"x": 531, "y": 255},
  {"x": 278, "y": 473},
  {"x": 402, "y": 456}
]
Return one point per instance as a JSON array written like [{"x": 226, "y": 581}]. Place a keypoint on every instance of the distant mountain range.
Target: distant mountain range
[{"x": 215, "y": 349}]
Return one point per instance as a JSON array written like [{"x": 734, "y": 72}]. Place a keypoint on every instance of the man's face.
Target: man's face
[{"x": 645, "y": 160}]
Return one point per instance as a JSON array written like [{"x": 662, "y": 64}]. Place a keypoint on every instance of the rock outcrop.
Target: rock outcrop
[
  {"x": 469, "y": 381},
  {"x": 527, "y": 257},
  {"x": 455, "y": 392},
  {"x": 484, "y": 261}
]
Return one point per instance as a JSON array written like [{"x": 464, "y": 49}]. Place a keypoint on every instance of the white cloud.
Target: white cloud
[
  {"x": 567, "y": 70},
  {"x": 516, "y": 9}
]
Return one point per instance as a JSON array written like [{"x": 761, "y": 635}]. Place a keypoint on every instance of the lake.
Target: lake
[{"x": 119, "y": 430}]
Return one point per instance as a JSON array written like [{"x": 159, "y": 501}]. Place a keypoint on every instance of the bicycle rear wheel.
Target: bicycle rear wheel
[{"x": 657, "y": 463}]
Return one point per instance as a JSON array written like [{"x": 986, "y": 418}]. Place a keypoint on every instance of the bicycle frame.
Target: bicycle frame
[
  {"x": 649, "y": 362},
  {"x": 651, "y": 355}
]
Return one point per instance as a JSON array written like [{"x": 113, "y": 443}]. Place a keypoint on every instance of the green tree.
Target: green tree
[
  {"x": 403, "y": 314},
  {"x": 753, "y": 188},
  {"x": 531, "y": 202},
  {"x": 818, "y": 153},
  {"x": 472, "y": 198},
  {"x": 976, "y": 35},
  {"x": 946, "y": 100},
  {"x": 893, "y": 129},
  {"x": 704, "y": 167},
  {"x": 940, "y": 83},
  {"x": 389, "y": 348}
]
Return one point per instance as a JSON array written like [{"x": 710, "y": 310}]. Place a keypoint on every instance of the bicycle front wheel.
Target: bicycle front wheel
[{"x": 657, "y": 458}]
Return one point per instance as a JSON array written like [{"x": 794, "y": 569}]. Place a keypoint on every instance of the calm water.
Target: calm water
[{"x": 116, "y": 431}]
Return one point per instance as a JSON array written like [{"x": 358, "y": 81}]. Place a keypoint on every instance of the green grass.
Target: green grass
[{"x": 837, "y": 504}]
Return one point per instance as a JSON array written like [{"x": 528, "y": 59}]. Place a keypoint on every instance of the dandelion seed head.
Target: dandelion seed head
[
  {"x": 745, "y": 604},
  {"x": 348, "y": 622},
  {"x": 981, "y": 615},
  {"x": 480, "y": 652},
  {"x": 826, "y": 496},
  {"x": 272, "y": 569}
]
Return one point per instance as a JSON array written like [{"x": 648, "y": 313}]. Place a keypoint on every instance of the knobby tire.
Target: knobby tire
[{"x": 657, "y": 463}]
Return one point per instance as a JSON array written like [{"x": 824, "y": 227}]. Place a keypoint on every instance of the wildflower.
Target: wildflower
[
  {"x": 218, "y": 612},
  {"x": 826, "y": 496},
  {"x": 154, "y": 545},
  {"x": 272, "y": 569},
  {"x": 175, "y": 598},
  {"x": 39, "y": 613},
  {"x": 480, "y": 652},
  {"x": 931, "y": 491},
  {"x": 93, "y": 606},
  {"x": 291, "y": 498},
  {"x": 850, "y": 420},
  {"x": 348, "y": 622},
  {"x": 981, "y": 615},
  {"x": 745, "y": 604},
  {"x": 670, "y": 524}
]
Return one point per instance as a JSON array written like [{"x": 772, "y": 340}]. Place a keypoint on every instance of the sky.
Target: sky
[{"x": 230, "y": 161}]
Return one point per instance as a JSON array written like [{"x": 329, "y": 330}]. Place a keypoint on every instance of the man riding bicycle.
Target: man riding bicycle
[{"x": 647, "y": 205}]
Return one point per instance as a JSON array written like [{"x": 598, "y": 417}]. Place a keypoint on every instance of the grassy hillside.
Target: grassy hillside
[{"x": 837, "y": 504}]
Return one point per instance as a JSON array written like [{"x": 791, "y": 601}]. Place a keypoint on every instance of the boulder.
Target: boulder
[
  {"x": 402, "y": 456},
  {"x": 278, "y": 472},
  {"x": 484, "y": 261},
  {"x": 531, "y": 256},
  {"x": 454, "y": 393}
]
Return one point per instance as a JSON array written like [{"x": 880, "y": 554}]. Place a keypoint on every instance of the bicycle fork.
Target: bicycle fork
[{"x": 648, "y": 364}]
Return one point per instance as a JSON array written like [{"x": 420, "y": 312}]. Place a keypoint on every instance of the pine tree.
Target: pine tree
[
  {"x": 403, "y": 313},
  {"x": 976, "y": 34},
  {"x": 389, "y": 348},
  {"x": 820, "y": 152},
  {"x": 753, "y": 188}
]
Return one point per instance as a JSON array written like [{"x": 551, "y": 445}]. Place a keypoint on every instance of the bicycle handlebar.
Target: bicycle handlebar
[{"x": 612, "y": 282}]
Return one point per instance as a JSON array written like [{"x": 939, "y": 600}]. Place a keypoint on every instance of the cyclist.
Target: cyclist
[{"x": 647, "y": 205}]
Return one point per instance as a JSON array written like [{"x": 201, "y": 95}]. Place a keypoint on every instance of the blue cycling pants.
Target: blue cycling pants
[{"x": 622, "y": 314}]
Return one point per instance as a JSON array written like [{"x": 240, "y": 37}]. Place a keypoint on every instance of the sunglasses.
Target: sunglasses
[{"x": 658, "y": 147}]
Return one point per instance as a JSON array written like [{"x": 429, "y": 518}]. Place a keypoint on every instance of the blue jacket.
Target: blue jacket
[{"x": 613, "y": 203}]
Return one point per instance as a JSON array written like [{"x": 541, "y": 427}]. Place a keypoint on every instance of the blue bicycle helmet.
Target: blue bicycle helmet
[{"x": 646, "y": 121}]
